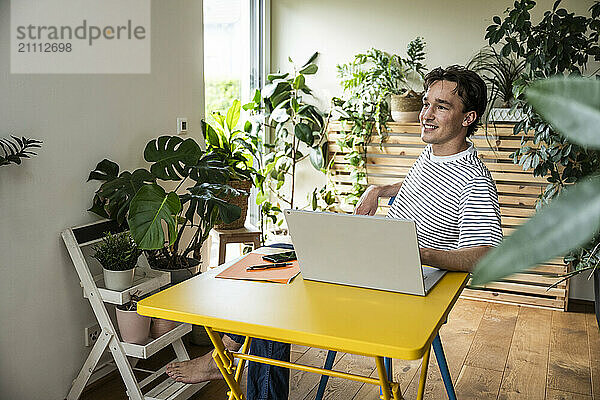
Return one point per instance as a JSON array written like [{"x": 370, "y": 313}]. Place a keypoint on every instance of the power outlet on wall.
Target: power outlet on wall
[{"x": 92, "y": 333}]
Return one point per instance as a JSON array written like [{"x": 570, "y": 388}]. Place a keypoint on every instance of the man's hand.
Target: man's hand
[{"x": 368, "y": 202}]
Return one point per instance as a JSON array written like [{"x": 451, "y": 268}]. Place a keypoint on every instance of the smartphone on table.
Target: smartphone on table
[{"x": 280, "y": 257}]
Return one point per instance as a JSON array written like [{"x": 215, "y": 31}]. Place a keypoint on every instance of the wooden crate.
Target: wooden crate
[{"x": 518, "y": 191}]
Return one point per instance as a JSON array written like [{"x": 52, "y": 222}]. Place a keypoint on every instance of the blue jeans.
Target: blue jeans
[{"x": 267, "y": 382}]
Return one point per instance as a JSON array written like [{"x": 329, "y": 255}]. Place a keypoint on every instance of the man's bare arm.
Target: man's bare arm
[
  {"x": 454, "y": 260},
  {"x": 367, "y": 204}
]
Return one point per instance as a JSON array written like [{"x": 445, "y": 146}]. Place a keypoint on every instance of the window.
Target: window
[
  {"x": 235, "y": 50},
  {"x": 236, "y": 57}
]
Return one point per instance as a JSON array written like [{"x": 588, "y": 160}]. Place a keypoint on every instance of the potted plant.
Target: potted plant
[
  {"x": 299, "y": 132},
  {"x": 133, "y": 327},
  {"x": 500, "y": 73},
  {"x": 118, "y": 255},
  {"x": 138, "y": 200},
  {"x": 373, "y": 77},
  {"x": 235, "y": 150},
  {"x": 405, "y": 103},
  {"x": 368, "y": 81}
]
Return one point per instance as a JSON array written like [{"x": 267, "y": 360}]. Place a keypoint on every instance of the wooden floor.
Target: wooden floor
[{"x": 494, "y": 351}]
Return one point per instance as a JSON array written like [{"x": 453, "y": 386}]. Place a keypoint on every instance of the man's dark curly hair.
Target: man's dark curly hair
[{"x": 469, "y": 86}]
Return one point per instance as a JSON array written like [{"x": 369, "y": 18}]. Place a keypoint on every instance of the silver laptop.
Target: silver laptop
[{"x": 358, "y": 250}]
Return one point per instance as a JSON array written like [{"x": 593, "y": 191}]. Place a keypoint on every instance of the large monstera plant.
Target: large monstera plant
[{"x": 158, "y": 218}]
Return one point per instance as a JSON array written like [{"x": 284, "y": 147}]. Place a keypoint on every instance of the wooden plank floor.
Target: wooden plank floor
[{"x": 494, "y": 351}]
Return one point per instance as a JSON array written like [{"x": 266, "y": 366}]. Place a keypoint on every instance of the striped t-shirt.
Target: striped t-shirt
[{"x": 452, "y": 200}]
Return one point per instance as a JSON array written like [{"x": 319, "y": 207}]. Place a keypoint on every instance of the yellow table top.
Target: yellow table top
[{"x": 343, "y": 318}]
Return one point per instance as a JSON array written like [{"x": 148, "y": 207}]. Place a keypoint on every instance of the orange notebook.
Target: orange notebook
[{"x": 277, "y": 275}]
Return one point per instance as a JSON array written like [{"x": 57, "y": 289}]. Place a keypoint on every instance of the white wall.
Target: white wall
[
  {"x": 339, "y": 29},
  {"x": 81, "y": 119}
]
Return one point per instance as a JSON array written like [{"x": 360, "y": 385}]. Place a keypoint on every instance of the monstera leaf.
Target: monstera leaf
[
  {"x": 204, "y": 198},
  {"x": 113, "y": 197},
  {"x": 210, "y": 168},
  {"x": 172, "y": 156},
  {"x": 150, "y": 206}
]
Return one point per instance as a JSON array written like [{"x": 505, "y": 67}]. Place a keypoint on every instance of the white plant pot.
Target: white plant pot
[
  {"x": 498, "y": 114},
  {"x": 118, "y": 280}
]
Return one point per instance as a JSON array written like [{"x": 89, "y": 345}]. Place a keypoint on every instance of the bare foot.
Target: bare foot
[{"x": 200, "y": 369}]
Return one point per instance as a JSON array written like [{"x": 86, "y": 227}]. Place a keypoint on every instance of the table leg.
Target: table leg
[
  {"x": 222, "y": 249},
  {"x": 384, "y": 383},
  {"x": 224, "y": 362},
  {"x": 256, "y": 242},
  {"x": 324, "y": 378},
  {"x": 441, "y": 359},
  {"x": 240, "y": 368},
  {"x": 423, "y": 377}
]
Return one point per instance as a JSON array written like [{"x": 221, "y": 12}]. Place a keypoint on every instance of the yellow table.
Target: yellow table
[{"x": 342, "y": 318}]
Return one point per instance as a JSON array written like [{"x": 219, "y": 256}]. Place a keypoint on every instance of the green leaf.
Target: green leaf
[
  {"x": 220, "y": 119},
  {"x": 210, "y": 169},
  {"x": 570, "y": 221},
  {"x": 171, "y": 156},
  {"x": 311, "y": 59},
  {"x": 316, "y": 157},
  {"x": 497, "y": 20},
  {"x": 204, "y": 199},
  {"x": 271, "y": 78},
  {"x": 304, "y": 133},
  {"x": 261, "y": 198},
  {"x": 299, "y": 82},
  {"x": 114, "y": 195},
  {"x": 105, "y": 170},
  {"x": 274, "y": 88},
  {"x": 310, "y": 69},
  {"x": 210, "y": 135},
  {"x": 150, "y": 206},
  {"x": 233, "y": 115},
  {"x": 256, "y": 99},
  {"x": 571, "y": 106},
  {"x": 280, "y": 115}
]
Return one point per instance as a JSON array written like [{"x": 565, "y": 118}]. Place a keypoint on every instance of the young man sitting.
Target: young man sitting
[{"x": 448, "y": 192}]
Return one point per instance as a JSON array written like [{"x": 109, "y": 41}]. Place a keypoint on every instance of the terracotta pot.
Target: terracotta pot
[
  {"x": 134, "y": 328},
  {"x": 159, "y": 327},
  {"x": 240, "y": 201},
  {"x": 406, "y": 107}
]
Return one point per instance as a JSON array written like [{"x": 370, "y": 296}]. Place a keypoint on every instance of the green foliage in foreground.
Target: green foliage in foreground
[{"x": 572, "y": 220}]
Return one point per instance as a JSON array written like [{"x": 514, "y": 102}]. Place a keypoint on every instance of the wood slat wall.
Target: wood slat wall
[{"x": 518, "y": 190}]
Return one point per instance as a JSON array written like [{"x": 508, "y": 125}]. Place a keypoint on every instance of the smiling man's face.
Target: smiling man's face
[{"x": 443, "y": 122}]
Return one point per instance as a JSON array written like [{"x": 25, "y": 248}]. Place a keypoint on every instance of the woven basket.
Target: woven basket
[
  {"x": 240, "y": 201},
  {"x": 406, "y": 108}
]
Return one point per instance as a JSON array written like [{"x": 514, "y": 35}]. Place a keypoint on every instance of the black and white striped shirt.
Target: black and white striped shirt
[{"x": 452, "y": 199}]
